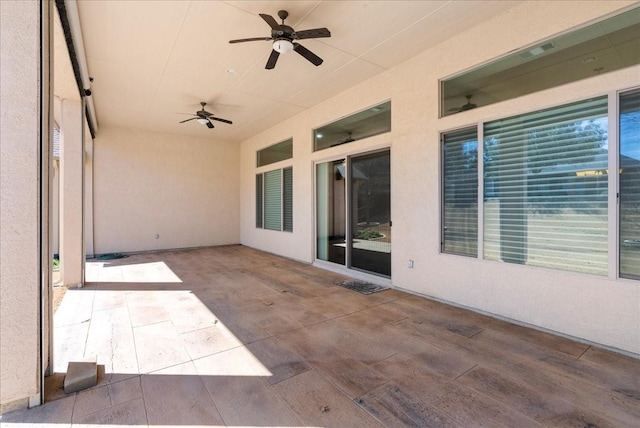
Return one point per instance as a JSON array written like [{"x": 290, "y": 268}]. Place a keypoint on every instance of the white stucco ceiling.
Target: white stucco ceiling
[{"x": 152, "y": 60}]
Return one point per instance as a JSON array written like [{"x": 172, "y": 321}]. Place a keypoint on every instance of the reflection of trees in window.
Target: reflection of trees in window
[
  {"x": 547, "y": 147},
  {"x": 566, "y": 161},
  {"x": 583, "y": 139},
  {"x": 460, "y": 192},
  {"x": 461, "y": 169},
  {"x": 489, "y": 149},
  {"x": 549, "y": 171},
  {"x": 569, "y": 162}
]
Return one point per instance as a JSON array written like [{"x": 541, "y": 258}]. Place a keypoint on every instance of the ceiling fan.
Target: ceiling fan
[
  {"x": 205, "y": 118},
  {"x": 283, "y": 38},
  {"x": 468, "y": 106}
]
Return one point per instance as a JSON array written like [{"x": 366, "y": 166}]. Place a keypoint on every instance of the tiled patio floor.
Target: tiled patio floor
[{"x": 231, "y": 336}]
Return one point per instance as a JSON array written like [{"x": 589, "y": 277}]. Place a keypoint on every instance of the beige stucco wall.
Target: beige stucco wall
[
  {"x": 19, "y": 251},
  {"x": 605, "y": 311},
  {"x": 183, "y": 189}
]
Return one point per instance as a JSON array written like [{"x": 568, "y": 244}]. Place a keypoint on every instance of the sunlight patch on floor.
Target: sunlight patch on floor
[
  {"x": 149, "y": 331},
  {"x": 139, "y": 272}
]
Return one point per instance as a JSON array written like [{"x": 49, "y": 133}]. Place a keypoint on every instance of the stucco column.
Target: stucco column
[
  {"x": 23, "y": 202},
  {"x": 88, "y": 193},
  {"x": 72, "y": 253}
]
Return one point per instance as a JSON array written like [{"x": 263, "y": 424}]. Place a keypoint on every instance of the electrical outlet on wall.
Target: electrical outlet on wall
[{"x": 410, "y": 264}]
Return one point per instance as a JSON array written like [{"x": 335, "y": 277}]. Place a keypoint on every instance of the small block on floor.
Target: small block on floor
[{"x": 81, "y": 375}]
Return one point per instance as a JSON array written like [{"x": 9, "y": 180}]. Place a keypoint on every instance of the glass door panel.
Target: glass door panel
[
  {"x": 370, "y": 233},
  {"x": 331, "y": 212}
]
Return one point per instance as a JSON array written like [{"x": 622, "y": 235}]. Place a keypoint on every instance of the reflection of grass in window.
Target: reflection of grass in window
[
  {"x": 56, "y": 264},
  {"x": 367, "y": 234}
]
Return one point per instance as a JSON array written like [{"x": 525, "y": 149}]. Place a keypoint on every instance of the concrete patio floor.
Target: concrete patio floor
[{"x": 230, "y": 336}]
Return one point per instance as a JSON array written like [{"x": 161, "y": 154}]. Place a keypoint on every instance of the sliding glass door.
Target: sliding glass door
[
  {"x": 359, "y": 189},
  {"x": 331, "y": 213},
  {"x": 371, "y": 213}
]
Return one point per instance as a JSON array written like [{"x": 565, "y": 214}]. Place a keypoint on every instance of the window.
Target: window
[
  {"x": 275, "y": 153},
  {"x": 599, "y": 48},
  {"x": 547, "y": 174},
  {"x": 546, "y": 188},
  {"x": 287, "y": 198},
  {"x": 367, "y": 123},
  {"x": 274, "y": 200},
  {"x": 56, "y": 142},
  {"x": 629, "y": 184},
  {"x": 259, "y": 200},
  {"x": 460, "y": 192}
]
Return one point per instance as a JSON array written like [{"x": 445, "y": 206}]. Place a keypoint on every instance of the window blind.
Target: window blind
[
  {"x": 460, "y": 192},
  {"x": 545, "y": 184},
  {"x": 259, "y": 202},
  {"x": 287, "y": 196},
  {"x": 273, "y": 200}
]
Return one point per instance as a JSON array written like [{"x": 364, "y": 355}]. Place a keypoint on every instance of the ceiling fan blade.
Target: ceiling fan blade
[
  {"x": 210, "y": 125},
  {"x": 272, "y": 22},
  {"x": 187, "y": 120},
  {"x": 252, "y": 39},
  {"x": 273, "y": 58},
  {"x": 310, "y": 56},
  {"x": 220, "y": 120},
  {"x": 314, "y": 33}
]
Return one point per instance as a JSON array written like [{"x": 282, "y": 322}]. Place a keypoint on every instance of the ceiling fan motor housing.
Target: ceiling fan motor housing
[{"x": 283, "y": 14}]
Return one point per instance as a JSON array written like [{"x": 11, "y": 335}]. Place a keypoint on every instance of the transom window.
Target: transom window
[
  {"x": 367, "y": 123},
  {"x": 275, "y": 153},
  {"x": 603, "y": 47}
]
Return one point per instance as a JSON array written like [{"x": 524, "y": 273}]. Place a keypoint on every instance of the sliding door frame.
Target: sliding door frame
[{"x": 347, "y": 157}]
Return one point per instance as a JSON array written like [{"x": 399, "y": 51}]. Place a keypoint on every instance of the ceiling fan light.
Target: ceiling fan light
[
  {"x": 202, "y": 120},
  {"x": 282, "y": 46}
]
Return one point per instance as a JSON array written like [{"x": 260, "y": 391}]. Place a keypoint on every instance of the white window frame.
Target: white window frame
[
  {"x": 613, "y": 209},
  {"x": 263, "y": 199}
]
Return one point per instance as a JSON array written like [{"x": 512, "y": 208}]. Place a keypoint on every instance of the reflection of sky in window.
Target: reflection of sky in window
[{"x": 630, "y": 134}]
